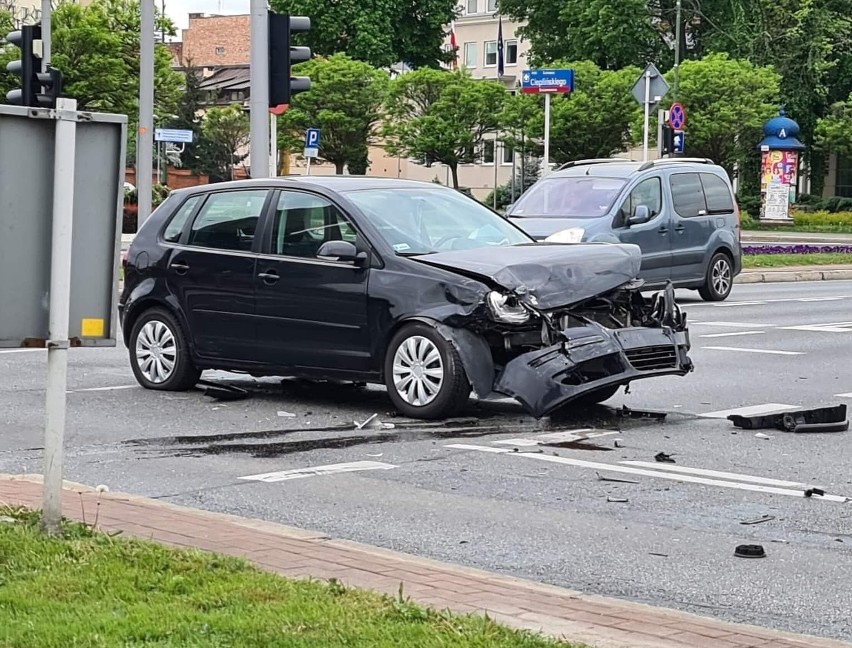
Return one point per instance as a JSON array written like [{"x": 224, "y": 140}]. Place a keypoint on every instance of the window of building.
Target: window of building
[
  {"x": 488, "y": 152},
  {"x": 508, "y": 154},
  {"x": 688, "y": 195},
  {"x": 492, "y": 6},
  {"x": 227, "y": 220},
  {"x": 472, "y": 6},
  {"x": 176, "y": 225},
  {"x": 470, "y": 55},
  {"x": 220, "y": 51},
  {"x": 490, "y": 53},
  {"x": 510, "y": 52},
  {"x": 304, "y": 222},
  {"x": 843, "y": 177},
  {"x": 717, "y": 194}
]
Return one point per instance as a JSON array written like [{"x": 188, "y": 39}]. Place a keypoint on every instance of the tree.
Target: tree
[
  {"x": 593, "y": 121},
  {"x": 438, "y": 116},
  {"x": 344, "y": 101},
  {"x": 834, "y": 131},
  {"x": 376, "y": 31},
  {"x": 225, "y": 131},
  {"x": 728, "y": 102},
  {"x": 188, "y": 117}
]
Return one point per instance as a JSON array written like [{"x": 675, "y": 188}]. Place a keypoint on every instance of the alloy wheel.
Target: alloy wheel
[
  {"x": 156, "y": 351},
  {"x": 418, "y": 371}
]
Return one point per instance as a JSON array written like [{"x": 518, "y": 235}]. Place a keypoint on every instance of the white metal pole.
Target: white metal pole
[
  {"x": 46, "y": 11},
  {"x": 60, "y": 304},
  {"x": 259, "y": 97},
  {"x": 308, "y": 169},
  {"x": 647, "y": 115},
  {"x": 273, "y": 145},
  {"x": 494, "y": 206},
  {"x": 145, "y": 136},
  {"x": 661, "y": 117},
  {"x": 546, "y": 134}
]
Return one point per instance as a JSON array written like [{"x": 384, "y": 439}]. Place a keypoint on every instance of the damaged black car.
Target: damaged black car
[{"x": 407, "y": 284}]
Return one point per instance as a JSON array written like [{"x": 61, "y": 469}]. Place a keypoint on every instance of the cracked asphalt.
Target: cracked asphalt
[{"x": 495, "y": 489}]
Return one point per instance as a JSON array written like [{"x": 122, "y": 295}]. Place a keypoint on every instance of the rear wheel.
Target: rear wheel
[
  {"x": 424, "y": 375},
  {"x": 159, "y": 354},
  {"x": 720, "y": 278}
]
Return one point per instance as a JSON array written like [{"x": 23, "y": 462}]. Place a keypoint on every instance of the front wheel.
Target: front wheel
[
  {"x": 159, "y": 354},
  {"x": 720, "y": 279},
  {"x": 424, "y": 375}
]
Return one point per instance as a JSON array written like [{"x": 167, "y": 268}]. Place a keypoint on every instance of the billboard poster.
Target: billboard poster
[{"x": 778, "y": 180}]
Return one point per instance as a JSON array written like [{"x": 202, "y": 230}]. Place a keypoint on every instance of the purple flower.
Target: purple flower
[{"x": 797, "y": 249}]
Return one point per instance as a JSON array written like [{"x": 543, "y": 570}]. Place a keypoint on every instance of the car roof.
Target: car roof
[
  {"x": 621, "y": 168},
  {"x": 333, "y": 183}
]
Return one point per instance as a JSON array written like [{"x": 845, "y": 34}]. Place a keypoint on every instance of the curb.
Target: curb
[{"x": 782, "y": 276}]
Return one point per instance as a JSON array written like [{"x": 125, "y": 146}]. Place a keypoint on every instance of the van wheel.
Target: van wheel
[
  {"x": 720, "y": 279},
  {"x": 424, "y": 375},
  {"x": 159, "y": 354}
]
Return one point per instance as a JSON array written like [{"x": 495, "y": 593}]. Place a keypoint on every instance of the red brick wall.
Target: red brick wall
[
  {"x": 177, "y": 178},
  {"x": 216, "y": 40}
]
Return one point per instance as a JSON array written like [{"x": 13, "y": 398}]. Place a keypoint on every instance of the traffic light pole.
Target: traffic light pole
[
  {"x": 259, "y": 97},
  {"x": 60, "y": 305},
  {"x": 145, "y": 132},
  {"x": 46, "y": 10}
]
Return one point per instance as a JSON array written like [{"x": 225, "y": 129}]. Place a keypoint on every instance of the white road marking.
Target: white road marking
[
  {"x": 836, "y": 327},
  {"x": 658, "y": 474},
  {"x": 847, "y": 395},
  {"x": 737, "y": 325},
  {"x": 555, "y": 437},
  {"x": 98, "y": 389},
  {"x": 820, "y": 299},
  {"x": 763, "y": 302},
  {"x": 19, "y": 350},
  {"x": 735, "y": 333},
  {"x": 767, "y": 351},
  {"x": 752, "y": 410},
  {"x": 741, "y": 303},
  {"x": 299, "y": 473},
  {"x": 717, "y": 474}
]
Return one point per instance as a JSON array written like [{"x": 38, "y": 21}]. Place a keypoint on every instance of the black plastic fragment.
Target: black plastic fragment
[
  {"x": 814, "y": 491},
  {"x": 223, "y": 391},
  {"x": 662, "y": 457},
  {"x": 626, "y": 412},
  {"x": 822, "y": 419},
  {"x": 750, "y": 551}
]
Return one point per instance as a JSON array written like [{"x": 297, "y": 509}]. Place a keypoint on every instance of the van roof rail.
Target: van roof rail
[
  {"x": 574, "y": 163},
  {"x": 650, "y": 164}
]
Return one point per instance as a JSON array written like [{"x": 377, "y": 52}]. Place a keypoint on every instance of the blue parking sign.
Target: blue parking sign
[{"x": 312, "y": 136}]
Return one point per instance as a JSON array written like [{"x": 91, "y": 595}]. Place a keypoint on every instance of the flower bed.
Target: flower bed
[{"x": 797, "y": 249}]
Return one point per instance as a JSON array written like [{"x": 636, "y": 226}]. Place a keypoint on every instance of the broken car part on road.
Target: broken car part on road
[{"x": 823, "y": 419}]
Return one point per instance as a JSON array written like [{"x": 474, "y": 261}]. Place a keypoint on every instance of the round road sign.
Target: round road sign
[{"x": 677, "y": 116}]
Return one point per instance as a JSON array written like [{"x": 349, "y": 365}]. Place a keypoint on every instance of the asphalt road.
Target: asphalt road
[{"x": 460, "y": 491}]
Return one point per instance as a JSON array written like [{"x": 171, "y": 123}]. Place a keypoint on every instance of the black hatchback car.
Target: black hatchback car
[{"x": 409, "y": 284}]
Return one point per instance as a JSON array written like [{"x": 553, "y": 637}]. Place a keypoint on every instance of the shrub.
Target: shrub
[
  {"x": 749, "y": 204},
  {"x": 823, "y": 219}
]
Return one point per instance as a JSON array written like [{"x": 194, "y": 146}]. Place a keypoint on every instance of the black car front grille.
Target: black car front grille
[{"x": 653, "y": 358}]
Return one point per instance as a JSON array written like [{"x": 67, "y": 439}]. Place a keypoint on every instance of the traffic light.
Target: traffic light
[
  {"x": 282, "y": 56},
  {"x": 38, "y": 89},
  {"x": 668, "y": 140}
]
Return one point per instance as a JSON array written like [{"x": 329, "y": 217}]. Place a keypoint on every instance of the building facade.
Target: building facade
[{"x": 213, "y": 41}]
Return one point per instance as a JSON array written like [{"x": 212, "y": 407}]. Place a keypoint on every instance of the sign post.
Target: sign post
[
  {"x": 547, "y": 82},
  {"x": 648, "y": 90},
  {"x": 312, "y": 138}
]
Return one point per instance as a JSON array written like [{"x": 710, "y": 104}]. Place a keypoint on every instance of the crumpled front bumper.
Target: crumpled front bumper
[{"x": 589, "y": 358}]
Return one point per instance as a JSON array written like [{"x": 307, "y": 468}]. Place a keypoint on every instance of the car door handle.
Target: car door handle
[
  {"x": 680, "y": 229},
  {"x": 269, "y": 277},
  {"x": 663, "y": 230},
  {"x": 180, "y": 267}
]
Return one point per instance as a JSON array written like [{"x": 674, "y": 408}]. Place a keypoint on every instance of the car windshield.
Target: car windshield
[
  {"x": 424, "y": 221},
  {"x": 569, "y": 197}
]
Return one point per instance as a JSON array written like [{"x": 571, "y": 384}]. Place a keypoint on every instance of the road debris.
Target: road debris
[
  {"x": 373, "y": 423},
  {"x": 750, "y": 551},
  {"x": 617, "y": 500},
  {"x": 821, "y": 419},
  {"x": 760, "y": 520},
  {"x": 661, "y": 555},
  {"x": 814, "y": 491},
  {"x": 626, "y": 412},
  {"x": 615, "y": 479},
  {"x": 283, "y": 414},
  {"x": 761, "y": 435},
  {"x": 662, "y": 457},
  {"x": 223, "y": 391}
]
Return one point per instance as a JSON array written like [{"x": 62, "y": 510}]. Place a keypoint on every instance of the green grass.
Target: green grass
[
  {"x": 782, "y": 260},
  {"x": 91, "y": 589},
  {"x": 802, "y": 229}
]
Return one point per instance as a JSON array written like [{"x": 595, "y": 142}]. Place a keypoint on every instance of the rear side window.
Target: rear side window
[
  {"x": 178, "y": 222},
  {"x": 717, "y": 194},
  {"x": 688, "y": 195},
  {"x": 228, "y": 220}
]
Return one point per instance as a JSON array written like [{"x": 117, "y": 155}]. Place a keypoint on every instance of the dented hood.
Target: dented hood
[{"x": 545, "y": 275}]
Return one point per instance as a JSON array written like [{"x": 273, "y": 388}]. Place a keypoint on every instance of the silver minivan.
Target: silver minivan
[{"x": 681, "y": 212}]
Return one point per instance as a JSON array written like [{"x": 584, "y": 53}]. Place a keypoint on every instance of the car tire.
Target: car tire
[
  {"x": 424, "y": 374},
  {"x": 159, "y": 353},
  {"x": 720, "y": 279}
]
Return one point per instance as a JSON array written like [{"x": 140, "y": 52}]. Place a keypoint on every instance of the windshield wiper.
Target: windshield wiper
[{"x": 412, "y": 254}]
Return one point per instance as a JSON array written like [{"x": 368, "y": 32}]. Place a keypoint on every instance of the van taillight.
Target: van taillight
[{"x": 739, "y": 223}]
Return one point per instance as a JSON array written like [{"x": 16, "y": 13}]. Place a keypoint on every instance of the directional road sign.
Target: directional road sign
[
  {"x": 679, "y": 139},
  {"x": 657, "y": 90},
  {"x": 312, "y": 138},
  {"x": 535, "y": 81},
  {"x": 175, "y": 135},
  {"x": 677, "y": 116}
]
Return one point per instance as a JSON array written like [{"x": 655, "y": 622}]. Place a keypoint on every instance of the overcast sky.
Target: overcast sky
[{"x": 179, "y": 10}]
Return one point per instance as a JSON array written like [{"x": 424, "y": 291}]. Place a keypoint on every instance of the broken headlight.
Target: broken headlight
[
  {"x": 570, "y": 235},
  {"x": 505, "y": 308}
]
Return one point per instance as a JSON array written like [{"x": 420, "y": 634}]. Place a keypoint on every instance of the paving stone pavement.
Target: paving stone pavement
[{"x": 296, "y": 553}]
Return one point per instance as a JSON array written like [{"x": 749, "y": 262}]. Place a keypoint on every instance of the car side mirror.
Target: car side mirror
[
  {"x": 507, "y": 209},
  {"x": 341, "y": 251},
  {"x": 641, "y": 214}
]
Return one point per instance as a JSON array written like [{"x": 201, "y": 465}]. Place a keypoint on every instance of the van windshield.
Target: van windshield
[{"x": 571, "y": 197}]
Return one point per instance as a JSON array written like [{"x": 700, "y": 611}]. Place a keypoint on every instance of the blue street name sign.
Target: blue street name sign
[{"x": 535, "y": 81}]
